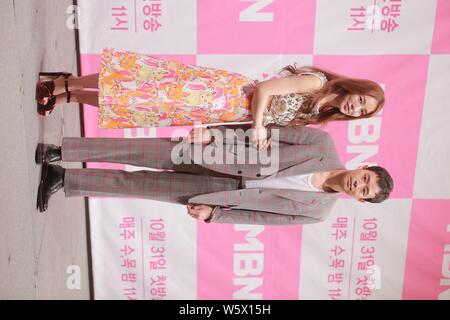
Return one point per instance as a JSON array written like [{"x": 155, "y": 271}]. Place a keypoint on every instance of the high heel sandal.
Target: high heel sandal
[{"x": 45, "y": 89}]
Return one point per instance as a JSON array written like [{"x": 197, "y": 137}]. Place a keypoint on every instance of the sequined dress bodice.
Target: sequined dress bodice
[{"x": 284, "y": 108}]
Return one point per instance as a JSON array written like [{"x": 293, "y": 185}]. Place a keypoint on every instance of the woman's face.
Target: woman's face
[{"x": 356, "y": 105}]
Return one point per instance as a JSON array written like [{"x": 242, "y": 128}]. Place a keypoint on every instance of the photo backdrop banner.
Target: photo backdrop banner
[{"x": 399, "y": 249}]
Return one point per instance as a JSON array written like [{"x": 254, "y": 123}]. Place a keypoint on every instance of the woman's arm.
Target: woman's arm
[{"x": 259, "y": 102}]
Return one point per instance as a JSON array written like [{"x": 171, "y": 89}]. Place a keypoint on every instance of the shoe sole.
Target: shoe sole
[
  {"x": 40, "y": 199},
  {"x": 38, "y": 156},
  {"x": 36, "y": 94}
]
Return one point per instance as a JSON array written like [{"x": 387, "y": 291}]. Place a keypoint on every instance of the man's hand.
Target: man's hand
[
  {"x": 199, "y": 135},
  {"x": 199, "y": 211}
]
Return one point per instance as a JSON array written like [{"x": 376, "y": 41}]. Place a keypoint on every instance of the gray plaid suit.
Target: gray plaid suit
[{"x": 302, "y": 150}]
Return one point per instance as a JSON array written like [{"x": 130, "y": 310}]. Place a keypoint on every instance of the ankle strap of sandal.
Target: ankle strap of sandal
[{"x": 66, "y": 83}]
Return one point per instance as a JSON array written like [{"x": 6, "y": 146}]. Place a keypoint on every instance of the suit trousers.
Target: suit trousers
[{"x": 178, "y": 185}]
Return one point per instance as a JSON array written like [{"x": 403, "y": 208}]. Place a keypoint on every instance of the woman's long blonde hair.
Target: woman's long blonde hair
[{"x": 339, "y": 85}]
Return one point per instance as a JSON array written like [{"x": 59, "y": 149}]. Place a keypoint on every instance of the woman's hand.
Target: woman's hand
[
  {"x": 199, "y": 135},
  {"x": 259, "y": 137}
]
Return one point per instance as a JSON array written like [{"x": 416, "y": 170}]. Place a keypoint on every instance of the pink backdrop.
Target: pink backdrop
[{"x": 402, "y": 45}]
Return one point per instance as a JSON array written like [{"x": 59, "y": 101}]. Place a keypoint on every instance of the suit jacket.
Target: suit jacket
[{"x": 302, "y": 150}]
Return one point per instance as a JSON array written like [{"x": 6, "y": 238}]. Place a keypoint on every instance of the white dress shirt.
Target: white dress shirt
[{"x": 300, "y": 182}]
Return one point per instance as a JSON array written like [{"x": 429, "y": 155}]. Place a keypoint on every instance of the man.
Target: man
[{"x": 302, "y": 189}]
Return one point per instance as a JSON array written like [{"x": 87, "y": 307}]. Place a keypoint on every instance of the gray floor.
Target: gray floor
[{"x": 36, "y": 249}]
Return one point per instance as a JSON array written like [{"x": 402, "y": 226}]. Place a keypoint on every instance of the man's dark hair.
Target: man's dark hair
[{"x": 384, "y": 181}]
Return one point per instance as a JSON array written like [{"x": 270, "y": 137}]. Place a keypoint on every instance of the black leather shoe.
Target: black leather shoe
[
  {"x": 47, "y": 153},
  {"x": 52, "y": 179}
]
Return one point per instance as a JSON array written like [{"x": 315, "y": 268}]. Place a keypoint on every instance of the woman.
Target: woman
[{"x": 139, "y": 90}]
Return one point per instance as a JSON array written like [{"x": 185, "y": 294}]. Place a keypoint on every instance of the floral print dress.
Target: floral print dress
[{"x": 140, "y": 90}]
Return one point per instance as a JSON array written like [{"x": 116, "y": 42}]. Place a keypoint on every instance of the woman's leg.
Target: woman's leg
[
  {"x": 87, "y": 81},
  {"x": 76, "y": 83},
  {"x": 79, "y": 96},
  {"x": 85, "y": 97}
]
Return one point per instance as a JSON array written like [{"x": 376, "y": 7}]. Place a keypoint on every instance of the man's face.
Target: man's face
[{"x": 360, "y": 184}]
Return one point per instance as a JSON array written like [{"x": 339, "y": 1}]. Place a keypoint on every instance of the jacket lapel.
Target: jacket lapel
[{"x": 310, "y": 166}]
